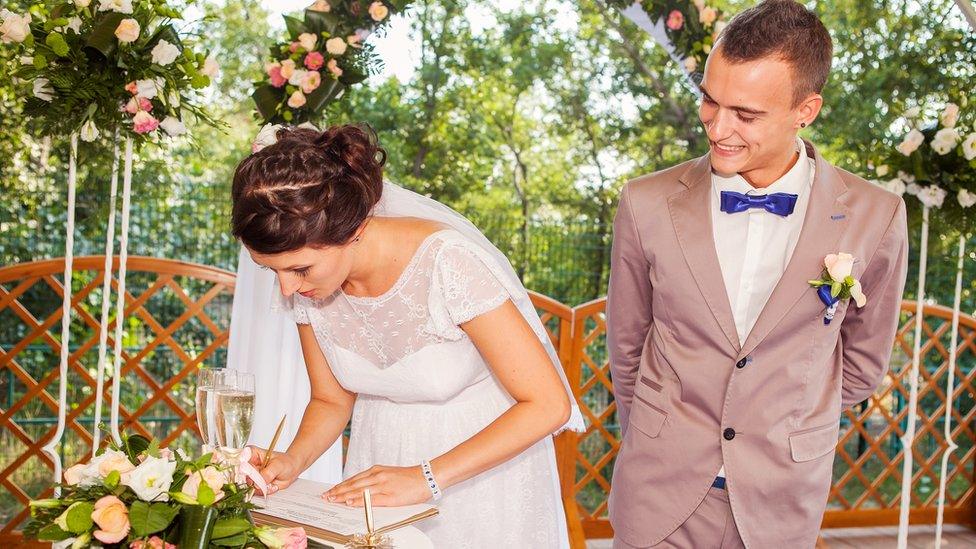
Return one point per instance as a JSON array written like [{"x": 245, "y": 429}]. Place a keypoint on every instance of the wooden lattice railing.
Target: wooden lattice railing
[{"x": 177, "y": 318}]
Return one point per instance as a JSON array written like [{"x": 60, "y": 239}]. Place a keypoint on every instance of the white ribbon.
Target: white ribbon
[
  {"x": 69, "y": 244},
  {"x": 908, "y": 440},
  {"x": 106, "y": 299},
  {"x": 120, "y": 302}
]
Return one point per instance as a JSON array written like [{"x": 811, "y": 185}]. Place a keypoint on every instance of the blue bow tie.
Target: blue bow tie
[{"x": 781, "y": 204}]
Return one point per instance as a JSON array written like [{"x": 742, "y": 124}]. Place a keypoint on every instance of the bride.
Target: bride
[{"x": 417, "y": 329}]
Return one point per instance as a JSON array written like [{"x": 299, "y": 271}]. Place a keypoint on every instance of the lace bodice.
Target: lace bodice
[{"x": 448, "y": 282}]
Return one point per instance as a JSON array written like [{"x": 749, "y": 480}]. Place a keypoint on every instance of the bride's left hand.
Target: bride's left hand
[{"x": 388, "y": 487}]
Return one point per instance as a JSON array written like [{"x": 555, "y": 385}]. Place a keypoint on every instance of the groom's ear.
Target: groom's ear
[{"x": 808, "y": 110}]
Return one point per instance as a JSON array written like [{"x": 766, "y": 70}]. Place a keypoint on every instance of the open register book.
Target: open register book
[{"x": 301, "y": 504}]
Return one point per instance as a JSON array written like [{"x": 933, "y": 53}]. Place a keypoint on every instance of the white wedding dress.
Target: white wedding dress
[{"x": 423, "y": 388}]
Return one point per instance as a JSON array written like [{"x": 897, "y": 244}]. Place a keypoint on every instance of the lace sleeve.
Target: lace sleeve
[
  {"x": 465, "y": 286},
  {"x": 292, "y": 306}
]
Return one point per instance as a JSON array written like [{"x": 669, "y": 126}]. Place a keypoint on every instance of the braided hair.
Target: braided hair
[{"x": 310, "y": 188}]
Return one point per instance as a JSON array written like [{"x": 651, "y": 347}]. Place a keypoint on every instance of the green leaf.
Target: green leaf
[
  {"x": 167, "y": 33},
  {"x": 135, "y": 445},
  {"x": 102, "y": 38},
  {"x": 113, "y": 478},
  {"x": 232, "y": 541},
  {"x": 58, "y": 45},
  {"x": 78, "y": 517},
  {"x": 147, "y": 518},
  {"x": 328, "y": 91},
  {"x": 835, "y": 289},
  {"x": 230, "y": 526},
  {"x": 317, "y": 22},
  {"x": 816, "y": 283},
  {"x": 52, "y": 532},
  {"x": 205, "y": 494},
  {"x": 266, "y": 99},
  {"x": 295, "y": 26},
  {"x": 153, "y": 449},
  {"x": 199, "y": 81}
]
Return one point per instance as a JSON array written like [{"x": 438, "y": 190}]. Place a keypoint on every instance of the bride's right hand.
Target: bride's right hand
[{"x": 281, "y": 470}]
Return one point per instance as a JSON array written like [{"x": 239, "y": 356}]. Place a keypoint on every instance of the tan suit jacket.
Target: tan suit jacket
[{"x": 690, "y": 398}]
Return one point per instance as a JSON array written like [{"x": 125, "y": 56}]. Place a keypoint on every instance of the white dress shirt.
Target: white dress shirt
[{"x": 755, "y": 246}]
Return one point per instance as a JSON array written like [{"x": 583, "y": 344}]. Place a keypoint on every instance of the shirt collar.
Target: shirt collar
[{"x": 792, "y": 182}]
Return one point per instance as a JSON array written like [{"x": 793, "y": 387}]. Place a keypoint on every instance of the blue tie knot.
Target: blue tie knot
[{"x": 781, "y": 204}]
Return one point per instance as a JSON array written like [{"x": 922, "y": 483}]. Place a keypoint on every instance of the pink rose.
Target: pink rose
[
  {"x": 314, "y": 61},
  {"x": 333, "y": 67},
  {"x": 132, "y": 87},
  {"x": 143, "y": 122},
  {"x": 676, "y": 20},
  {"x": 112, "y": 519},
  {"x": 137, "y": 104},
  {"x": 283, "y": 538},
  {"x": 277, "y": 80},
  {"x": 311, "y": 82},
  {"x": 154, "y": 542},
  {"x": 293, "y": 47}
]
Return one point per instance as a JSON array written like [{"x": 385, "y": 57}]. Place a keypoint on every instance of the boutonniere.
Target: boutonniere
[{"x": 836, "y": 283}]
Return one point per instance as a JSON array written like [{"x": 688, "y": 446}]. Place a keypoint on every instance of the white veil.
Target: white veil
[{"x": 261, "y": 338}]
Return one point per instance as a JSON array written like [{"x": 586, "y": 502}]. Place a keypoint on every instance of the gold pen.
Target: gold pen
[{"x": 274, "y": 441}]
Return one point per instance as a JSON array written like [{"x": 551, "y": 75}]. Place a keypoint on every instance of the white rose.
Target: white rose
[
  {"x": 43, "y": 89},
  {"x": 297, "y": 76},
  {"x": 164, "y": 53},
  {"x": 839, "y": 266},
  {"x": 969, "y": 147},
  {"x": 690, "y": 64},
  {"x": 14, "y": 28},
  {"x": 378, "y": 11},
  {"x": 945, "y": 140},
  {"x": 210, "y": 67},
  {"x": 932, "y": 196},
  {"x": 321, "y": 5},
  {"x": 911, "y": 143},
  {"x": 267, "y": 136},
  {"x": 287, "y": 67},
  {"x": 882, "y": 170},
  {"x": 147, "y": 88},
  {"x": 151, "y": 479},
  {"x": 121, "y": 6},
  {"x": 966, "y": 198},
  {"x": 173, "y": 126},
  {"x": 82, "y": 3},
  {"x": 913, "y": 189},
  {"x": 908, "y": 179},
  {"x": 127, "y": 31},
  {"x": 297, "y": 100},
  {"x": 307, "y": 40},
  {"x": 335, "y": 46},
  {"x": 896, "y": 186},
  {"x": 950, "y": 115},
  {"x": 89, "y": 132}
]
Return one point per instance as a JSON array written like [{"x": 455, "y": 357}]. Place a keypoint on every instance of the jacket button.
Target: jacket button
[
  {"x": 729, "y": 433},
  {"x": 742, "y": 363}
]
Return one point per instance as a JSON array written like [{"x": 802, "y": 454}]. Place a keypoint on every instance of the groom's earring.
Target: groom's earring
[{"x": 803, "y": 124}]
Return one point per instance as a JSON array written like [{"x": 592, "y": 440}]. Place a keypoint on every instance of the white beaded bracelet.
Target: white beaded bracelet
[{"x": 435, "y": 490}]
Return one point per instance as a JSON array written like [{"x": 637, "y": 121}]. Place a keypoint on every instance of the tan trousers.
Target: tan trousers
[{"x": 709, "y": 527}]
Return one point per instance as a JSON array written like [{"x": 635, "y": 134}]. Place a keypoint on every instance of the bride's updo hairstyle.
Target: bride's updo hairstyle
[{"x": 310, "y": 188}]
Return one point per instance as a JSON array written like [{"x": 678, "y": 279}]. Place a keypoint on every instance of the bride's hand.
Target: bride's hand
[
  {"x": 279, "y": 472},
  {"x": 388, "y": 487}
]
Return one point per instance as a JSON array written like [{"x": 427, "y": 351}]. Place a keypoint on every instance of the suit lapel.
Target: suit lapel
[
  {"x": 826, "y": 220},
  {"x": 692, "y": 219}
]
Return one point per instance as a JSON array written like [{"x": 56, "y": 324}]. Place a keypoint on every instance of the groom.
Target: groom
[{"x": 729, "y": 374}]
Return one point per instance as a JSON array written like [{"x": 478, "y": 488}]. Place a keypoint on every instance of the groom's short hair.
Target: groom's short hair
[{"x": 784, "y": 29}]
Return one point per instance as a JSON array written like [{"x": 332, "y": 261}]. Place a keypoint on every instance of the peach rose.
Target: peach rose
[{"x": 112, "y": 519}]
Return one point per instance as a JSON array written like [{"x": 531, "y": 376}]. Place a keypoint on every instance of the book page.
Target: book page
[{"x": 302, "y": 503}]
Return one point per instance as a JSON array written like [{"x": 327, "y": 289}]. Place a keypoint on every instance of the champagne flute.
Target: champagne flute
[
  {"x": 206, "y": 405},
  {"x": 234, "y": 412}
]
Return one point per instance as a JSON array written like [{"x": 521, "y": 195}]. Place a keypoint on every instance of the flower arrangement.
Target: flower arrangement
[
  {"x": 934, "y": 160},
  {"x": 97, "y": 66},
  {"x": 692, "y": 26},
  {"x": 325, "y": 53},
  {"x": 139, "y": 496}
]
